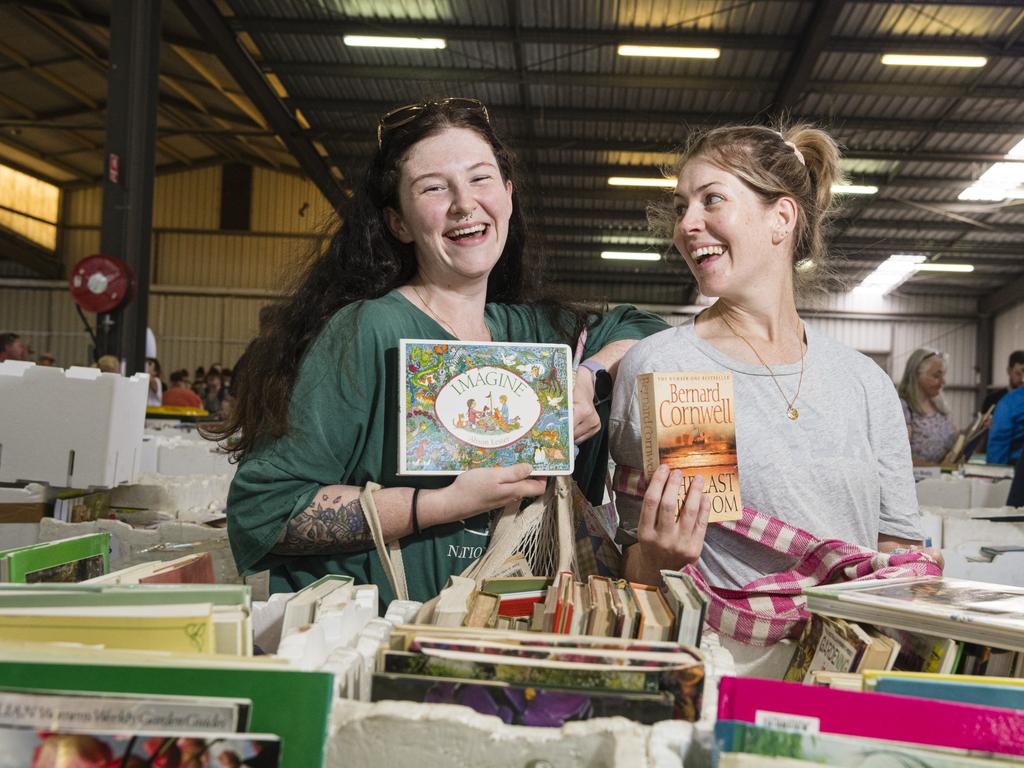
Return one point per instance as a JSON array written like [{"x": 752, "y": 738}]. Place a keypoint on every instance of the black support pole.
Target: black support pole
[{"x": 132, "y": 87}]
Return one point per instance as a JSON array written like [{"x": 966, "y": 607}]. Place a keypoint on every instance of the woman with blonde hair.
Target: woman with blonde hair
[
  {"x": 820, "y": 443},
  {"x": 931, "y": 432}
]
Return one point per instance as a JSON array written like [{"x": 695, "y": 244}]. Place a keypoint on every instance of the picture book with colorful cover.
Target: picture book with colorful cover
[
  {"x": 117, "y": 748},
  {"x": 470, "y": 404},
  {"x": 975, "y": 612},
  {"x": 523, "y": 704},
  {"x": 836, "y": 750},
  {"x": 688, "y": 422}
]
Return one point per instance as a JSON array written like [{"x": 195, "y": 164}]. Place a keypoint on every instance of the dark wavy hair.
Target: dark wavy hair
[{"x": 364, "y": 260}]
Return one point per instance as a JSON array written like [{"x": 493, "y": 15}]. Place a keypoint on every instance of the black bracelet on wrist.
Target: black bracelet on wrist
[{"x": 415, "y": 519}]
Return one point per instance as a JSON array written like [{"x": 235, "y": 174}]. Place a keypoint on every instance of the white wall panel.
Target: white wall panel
[{"x": 1008, "y": 332}]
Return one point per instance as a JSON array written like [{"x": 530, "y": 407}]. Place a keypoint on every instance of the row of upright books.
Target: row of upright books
[{"x": 599, "y": 606}]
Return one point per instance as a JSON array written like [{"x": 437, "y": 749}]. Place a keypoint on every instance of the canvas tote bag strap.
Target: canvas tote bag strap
[
  {"x": 563, "y": 525},
  {"x": 390, "y": 554}
]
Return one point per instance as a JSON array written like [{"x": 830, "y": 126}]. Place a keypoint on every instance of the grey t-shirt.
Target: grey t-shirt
[{"x": 842, "y": 470}]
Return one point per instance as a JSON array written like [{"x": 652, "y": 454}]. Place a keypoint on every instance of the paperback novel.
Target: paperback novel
[
  {"x": 467, "y": 404},
  {"x": 688, "y": 421}
]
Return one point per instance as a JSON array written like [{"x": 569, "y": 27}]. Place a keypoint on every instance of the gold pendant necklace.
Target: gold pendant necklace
[
  {"x": 433, "y": 314},
  {"x": 437, "y": 317},
  {"x": 791, "y": 410}
]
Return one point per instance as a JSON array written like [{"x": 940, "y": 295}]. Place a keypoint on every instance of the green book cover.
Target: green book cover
[
  {"x": 48, "y": 595},
  {"x": 292, "y": 704},
  {"x": 513, "y": 584},
  {"x": 64, "y": 560}
]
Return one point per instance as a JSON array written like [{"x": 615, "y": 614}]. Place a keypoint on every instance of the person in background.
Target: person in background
[
  {"x": 180, "y": 393},
  {"x": 925, "y": 412},
  {"x": 46, "y": 359},
  {"x": 215, "y": 392},
  {"x": 1014, "y": 379},
  {"x": 13, "y": 348},
  {"x": 156, "y": 385},
  {"x": 432, "y": 245},
  {"x": 747, "y": 216},
  {"x": 1006, "y": 434},
  {"x": 109, "y": 364}
]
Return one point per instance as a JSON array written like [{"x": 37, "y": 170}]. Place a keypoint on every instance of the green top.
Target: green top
[{"x": 343, "y": 430}]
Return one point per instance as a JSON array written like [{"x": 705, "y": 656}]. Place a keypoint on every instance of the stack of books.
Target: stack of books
[
  {"x": 599, "y": 607},
  {"x": 151, "y": 663},
  {"x": 540, "y": 679}
]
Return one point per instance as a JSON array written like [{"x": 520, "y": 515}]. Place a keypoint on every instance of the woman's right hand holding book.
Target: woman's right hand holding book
[{"x": 669, "y": 536}]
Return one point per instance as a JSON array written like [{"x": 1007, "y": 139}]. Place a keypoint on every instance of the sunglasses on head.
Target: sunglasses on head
[{"x": 396, "y": 118}]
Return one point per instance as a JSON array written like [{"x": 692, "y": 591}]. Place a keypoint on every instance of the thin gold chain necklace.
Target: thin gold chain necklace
[
  {"x": 436, "y": 316},
  {"x": 791, "y": 411}
]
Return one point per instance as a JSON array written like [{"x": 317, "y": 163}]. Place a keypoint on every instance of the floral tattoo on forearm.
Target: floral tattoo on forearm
[{"x": 325, "y": 527}]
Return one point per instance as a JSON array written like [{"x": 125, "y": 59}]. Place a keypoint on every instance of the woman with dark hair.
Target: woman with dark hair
[
  {"x": 819, "y": 437},
  {"x": 432, "y": 245}
]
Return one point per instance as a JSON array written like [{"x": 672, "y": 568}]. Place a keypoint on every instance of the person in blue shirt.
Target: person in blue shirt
[{"x": 1006, "y": 435}]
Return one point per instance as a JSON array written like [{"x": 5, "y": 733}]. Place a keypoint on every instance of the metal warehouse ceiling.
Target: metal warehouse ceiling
[{"x": 271, "y": 83}]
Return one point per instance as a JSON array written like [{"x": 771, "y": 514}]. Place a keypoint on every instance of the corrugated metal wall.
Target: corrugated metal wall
[
  {"x": 234, "y": 274},
  {"x": 209, "y": 286},
  {"x": 1009, "y": 335}
]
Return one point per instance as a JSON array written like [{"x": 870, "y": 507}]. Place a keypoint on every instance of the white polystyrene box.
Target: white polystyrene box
[
  {"x": 193, "y": 458},
  {"x": 74, "y": 428}
]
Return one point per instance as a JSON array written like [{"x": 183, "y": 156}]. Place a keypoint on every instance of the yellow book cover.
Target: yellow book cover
[
  {"x": 183, "y": 628},
  {"x": 688, "y": 421}
]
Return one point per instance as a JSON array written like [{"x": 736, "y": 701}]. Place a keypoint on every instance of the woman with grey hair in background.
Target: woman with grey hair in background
[{"x": 932, "y": 434}]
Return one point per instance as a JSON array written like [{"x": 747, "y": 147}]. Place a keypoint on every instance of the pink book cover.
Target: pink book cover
[{"x": 812, "y": 708}]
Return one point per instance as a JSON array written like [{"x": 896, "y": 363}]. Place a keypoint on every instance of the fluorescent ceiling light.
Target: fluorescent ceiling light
[
  {"x": 630, "y": 256},
  {"x": 938, "y": 266},
  {"x": 370, "y": 41},
  {"x": 854, "y": 189},
  {"x": 1002, "y": 181},
  {"x": 898, "y": 268},
  {"x": 635, "y": 181},
  {"x": 667, "y": 51},
  {"x": 916, "y": 60}
]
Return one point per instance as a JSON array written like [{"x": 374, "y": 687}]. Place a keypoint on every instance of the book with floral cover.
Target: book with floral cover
[{"x": 469, "y": 404}]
